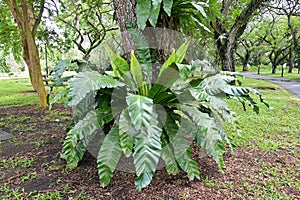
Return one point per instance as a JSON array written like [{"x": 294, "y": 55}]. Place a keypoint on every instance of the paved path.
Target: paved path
[
  {"x": 4, "y": 135},
  {"x": 290, "y": 85}
]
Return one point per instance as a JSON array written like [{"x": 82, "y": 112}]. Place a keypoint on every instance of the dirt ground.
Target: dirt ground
[{"x": 38, "y": 136}]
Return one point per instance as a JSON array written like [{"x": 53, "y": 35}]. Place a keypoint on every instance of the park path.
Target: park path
[{"x": 293, "y": 86}]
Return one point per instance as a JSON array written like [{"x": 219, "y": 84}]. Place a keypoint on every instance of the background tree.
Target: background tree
[
  {"x": 274, "y": 33},
  {"x": 27, "y": 15},
  {"x": 229, "y": 28},
  {"x": 177, "y": 15},
  {"x": 84, "y": 23},
  {"x": 291, "y": 10}
]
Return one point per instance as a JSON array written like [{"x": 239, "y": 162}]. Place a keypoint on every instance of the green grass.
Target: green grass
[
  {"x": 273, "y": 128},
  {"x": 270, "y": 130},
  {"x": 266, "y": 71},
  {"x": 17, "y": 92}
]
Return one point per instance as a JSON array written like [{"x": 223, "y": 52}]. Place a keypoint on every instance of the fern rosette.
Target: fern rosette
[{"x": 151, "y": 121}]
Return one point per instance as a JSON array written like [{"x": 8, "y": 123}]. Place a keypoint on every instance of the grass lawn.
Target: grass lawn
[{"x": 265, "y": 164}]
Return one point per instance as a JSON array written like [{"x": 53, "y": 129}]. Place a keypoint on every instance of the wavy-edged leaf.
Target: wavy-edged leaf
[
  {"x": 170, "y": 127},
  {"x": 209, "y": 135},
  {"x": 108, "y": 156},
  {"x": 85, "y": 82},
  {"x": 146, "y": 154},
  {"x": 77, "y": 139},
  {"x": 140, "y": 110},
  {"x": 125, "y": 123},
  {"x": 180, "y": 144},
  {"x": 143, "y": 8},
  {"x": 57, "y": 97},
  {"x": 62, "y": 66},
  {"x": 189, "y": 165},
  {"x": 168, "y": 156},
  {"x": 143, "y": 180},
  {"x": 126, "y": 143},
  {"x": 84, "y": 106},
  {"x": 167, "y": 5}
]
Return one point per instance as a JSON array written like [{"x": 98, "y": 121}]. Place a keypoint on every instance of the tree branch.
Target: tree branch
[{"x": 39, "y": 17}]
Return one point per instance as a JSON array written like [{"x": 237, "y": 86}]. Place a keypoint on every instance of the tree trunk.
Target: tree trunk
[
  {"x": 31, "y": 57},
  {"x": 23, "y": 14},
  {"x": 292, "y": 49},
  {"x": 246, "y": 60},
  {"x": 226, "y": 39},
  {"x": 291, "y": 60},
  {"x": 274, "y": 68},
  {"x": 125, "y": 10}
]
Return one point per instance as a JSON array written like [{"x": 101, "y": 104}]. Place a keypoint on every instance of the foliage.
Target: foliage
[
  {"x": 152, "y": 121},
  {"x": 85, "y": 23},
  {"x": 190, "y": 13},
  {"x": 9, "y": 35}
]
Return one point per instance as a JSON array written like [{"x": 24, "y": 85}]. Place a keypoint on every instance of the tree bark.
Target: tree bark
[
  {"x": 125, "y": 10},
  {"x": 293, "y": 47},
  {"x": 24, "y": 17}
]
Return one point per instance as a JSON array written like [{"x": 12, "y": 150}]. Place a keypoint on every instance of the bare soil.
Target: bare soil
[{"x": 39, "y": 134}]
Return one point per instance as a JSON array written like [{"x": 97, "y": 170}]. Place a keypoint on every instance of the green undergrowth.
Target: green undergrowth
[{"x": 274, "y": 128}]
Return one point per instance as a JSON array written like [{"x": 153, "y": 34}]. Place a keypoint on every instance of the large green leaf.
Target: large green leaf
[
  {"x": 167, "y": 5},
  {"x": 142, "y": 49},
  {"x": 154, "y": 13},
  {"x": 146, "y": 155},
  {"x": 57, "y": 97},
  {"x": 126, "y": 125},
  {"x": 180, "y": 144},
  {"x": 84, "y": 106},
  {"x": 62, "y": 66},
  {"x": 85, "y": 82},
  {"x": 166, "y": 80},
  {"x": 176, "y": 57},
  {"x": 171, "y": 127},
  {"x": 126, "y": 142},
  {"x": 119, "y": 64},
  {"x": 77, "y": 139},
  {"x": 140, "y": 110},
  {"x": 209, "y": 135},
  {"x": 108, "y": 156},
  {"x": 189, "y": 165},
  {"x": 143, "y": 180},
  {"x": 136, "y": 71},
  {"x": 168, "y": 156},
  {"x": 143, "y": 8}
]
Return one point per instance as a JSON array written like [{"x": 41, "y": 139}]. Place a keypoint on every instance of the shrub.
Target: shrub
[{"x": 151, "y": 120}]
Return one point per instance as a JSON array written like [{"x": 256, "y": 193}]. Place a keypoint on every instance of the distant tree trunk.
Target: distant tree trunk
[
  {"x": 226, "y": 40},
  {"x": 291, "y": 62},
  {"x": 274, "y": 68},
  {"x": 24, "y": 17},
  {"x": 293, "y": 47}
]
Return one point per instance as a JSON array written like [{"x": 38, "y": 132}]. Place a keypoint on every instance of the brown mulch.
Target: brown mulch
[{"x": 40, "y": 137}]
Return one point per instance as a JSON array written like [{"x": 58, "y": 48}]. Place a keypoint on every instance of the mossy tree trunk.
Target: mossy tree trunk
[{"x": 23, "y": 14}]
